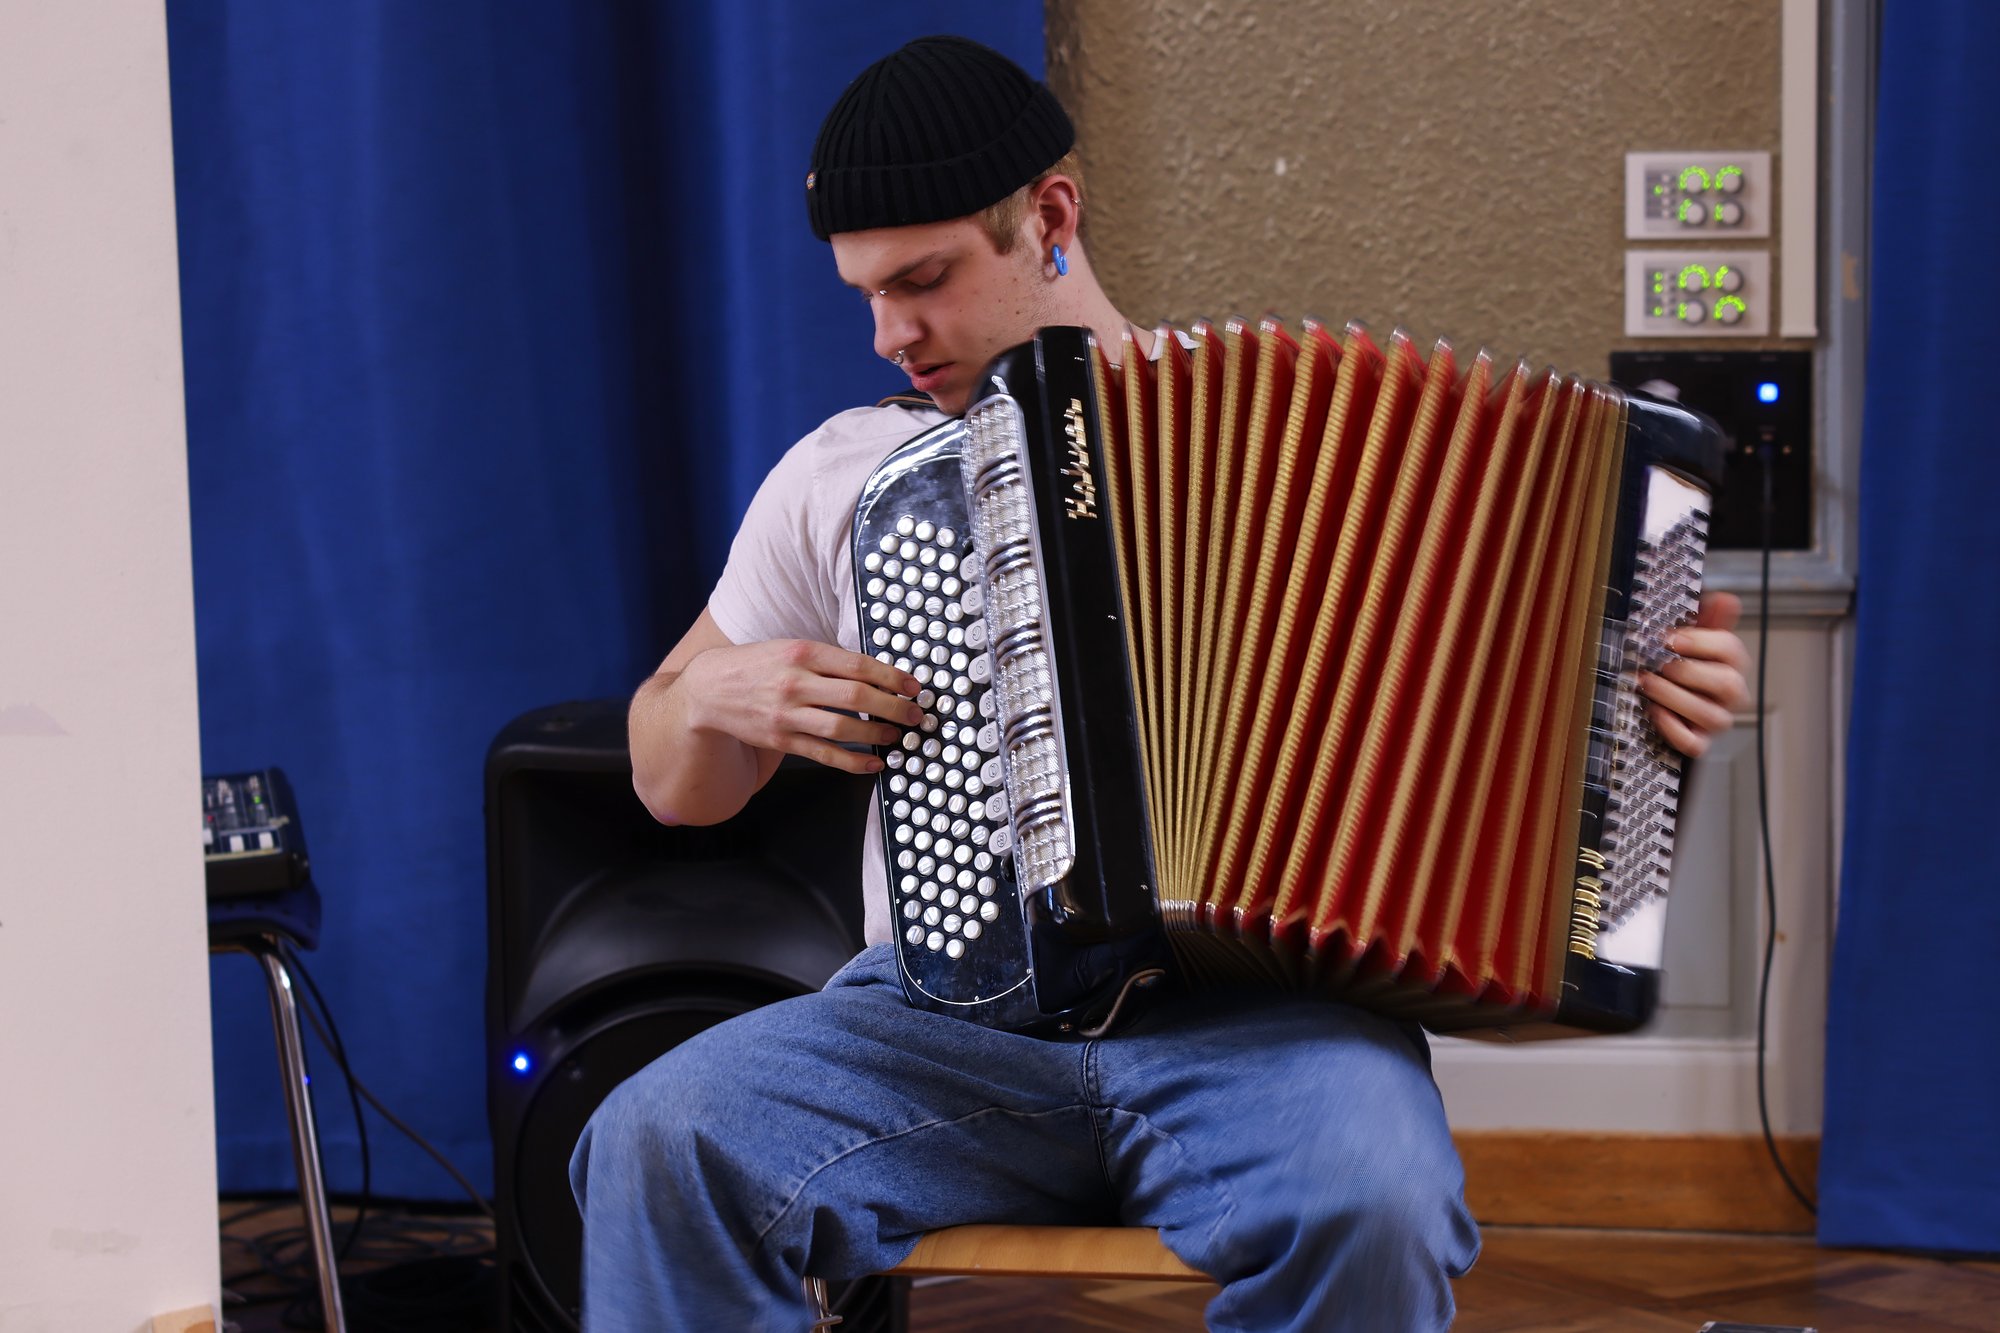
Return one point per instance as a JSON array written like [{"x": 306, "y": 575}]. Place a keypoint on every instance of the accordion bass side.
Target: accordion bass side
[{"x": 1293, "y": 660}]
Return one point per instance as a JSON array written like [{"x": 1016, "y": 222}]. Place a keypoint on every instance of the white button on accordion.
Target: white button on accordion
[{"x": 1292, "y": 660}]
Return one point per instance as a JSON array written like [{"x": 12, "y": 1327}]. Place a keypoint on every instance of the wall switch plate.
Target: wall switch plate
[
  {"x": 1710, "y": 194},
  {"x": 1697, "y": 293}
]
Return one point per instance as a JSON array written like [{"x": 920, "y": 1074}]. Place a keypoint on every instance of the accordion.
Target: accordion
[{"x": 1294, "y": 659}]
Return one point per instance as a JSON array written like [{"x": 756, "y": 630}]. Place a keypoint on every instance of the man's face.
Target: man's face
[{"x": 945, "y": 298}]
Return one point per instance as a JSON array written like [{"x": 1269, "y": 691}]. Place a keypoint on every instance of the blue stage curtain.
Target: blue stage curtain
[
  {"x": 1911, "y": 1151},
  {"x": 495, "y": 315}
]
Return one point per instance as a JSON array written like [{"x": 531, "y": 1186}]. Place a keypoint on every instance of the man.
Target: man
[{"x": 1294, "y": 1148}]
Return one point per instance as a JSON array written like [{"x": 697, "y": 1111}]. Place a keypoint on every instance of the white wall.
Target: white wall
[{"x": 107, "y": 1138}]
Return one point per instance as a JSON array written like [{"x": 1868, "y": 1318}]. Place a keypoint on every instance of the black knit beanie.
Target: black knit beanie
[{"x": 936, "y": 130}]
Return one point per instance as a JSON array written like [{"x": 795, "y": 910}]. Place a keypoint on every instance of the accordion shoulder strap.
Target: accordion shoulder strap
[{"x": 908, "y": 398}]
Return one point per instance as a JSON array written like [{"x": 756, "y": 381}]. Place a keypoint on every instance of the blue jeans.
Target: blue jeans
[{"x": 1294, "y": 1149}]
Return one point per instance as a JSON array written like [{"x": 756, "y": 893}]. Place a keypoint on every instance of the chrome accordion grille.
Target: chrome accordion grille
[{"x": 1003, "y": 528}]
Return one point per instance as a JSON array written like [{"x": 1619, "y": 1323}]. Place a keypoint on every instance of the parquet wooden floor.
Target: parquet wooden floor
[
  {"x": 1528, "y": 1280},
  {"x": 1534, "y": 1280}
]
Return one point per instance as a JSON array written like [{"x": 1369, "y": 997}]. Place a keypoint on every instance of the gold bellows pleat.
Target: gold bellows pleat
[{"x": 1363, "y": 606}]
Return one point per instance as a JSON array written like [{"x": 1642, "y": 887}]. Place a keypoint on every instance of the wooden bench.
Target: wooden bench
[{"x": 1125, "y": 1254}]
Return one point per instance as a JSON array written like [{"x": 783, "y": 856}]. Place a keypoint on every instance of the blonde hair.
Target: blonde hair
[{"x": 1002, "y": 221}]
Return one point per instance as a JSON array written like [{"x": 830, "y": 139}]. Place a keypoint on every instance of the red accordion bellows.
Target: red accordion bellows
[{"x": 1361, "y": 625}]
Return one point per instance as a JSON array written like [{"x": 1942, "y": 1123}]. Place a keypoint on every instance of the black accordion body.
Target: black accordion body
[{"x": 1298, "y": 660}]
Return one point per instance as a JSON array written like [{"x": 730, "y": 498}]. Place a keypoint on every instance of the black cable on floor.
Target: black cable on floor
[
  {"x": 332, "y": 1044},
  {"x": 421, "y": 1275},
  {"x": 415, "y": 1274}
]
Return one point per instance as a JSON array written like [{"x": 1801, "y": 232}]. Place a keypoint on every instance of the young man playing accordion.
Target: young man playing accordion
[{"x": 1294, "y": 1148}]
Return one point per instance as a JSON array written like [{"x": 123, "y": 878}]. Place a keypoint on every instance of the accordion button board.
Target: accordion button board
[
  {"x": 947, "y": 833},
  {"x": 1643, "y": 781}
]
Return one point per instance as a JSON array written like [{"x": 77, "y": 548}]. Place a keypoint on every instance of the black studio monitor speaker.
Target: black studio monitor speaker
[{"x": 613, "y": 938}]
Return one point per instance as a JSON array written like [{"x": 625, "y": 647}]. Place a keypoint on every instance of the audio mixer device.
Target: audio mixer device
[{"x": 250, "y": 835}]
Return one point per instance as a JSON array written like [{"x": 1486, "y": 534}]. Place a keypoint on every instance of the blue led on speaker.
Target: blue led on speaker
[
  {"x": 1767, "y": 392},
  {"x": 522, "y": 1064}
]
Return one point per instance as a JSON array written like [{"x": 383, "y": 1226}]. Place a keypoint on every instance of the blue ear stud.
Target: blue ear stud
[{"x": 1062, "y": 262}]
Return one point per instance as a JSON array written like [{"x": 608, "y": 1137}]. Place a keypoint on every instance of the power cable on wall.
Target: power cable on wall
[{"x": 1764, "y": 832}]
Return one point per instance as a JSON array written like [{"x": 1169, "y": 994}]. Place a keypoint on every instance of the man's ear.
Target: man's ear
[{"x": 1055, "y": 207}]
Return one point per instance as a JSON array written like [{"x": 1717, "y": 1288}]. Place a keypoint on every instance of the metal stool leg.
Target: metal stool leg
[
  {"x": 305, "y": 1137},
  {"x": 816, "y": 1301}
]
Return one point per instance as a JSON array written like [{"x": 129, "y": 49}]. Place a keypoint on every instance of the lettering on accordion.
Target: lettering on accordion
[
  {"x": 1081, "y": 502},
  {"x": 1587, "y": 908}
]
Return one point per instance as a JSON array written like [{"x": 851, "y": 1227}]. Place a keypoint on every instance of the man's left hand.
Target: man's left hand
[{"x": 1694, "y": 697}]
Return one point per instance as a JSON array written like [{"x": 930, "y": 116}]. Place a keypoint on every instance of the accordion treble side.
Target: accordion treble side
[{"x": 1293, "y": 660}]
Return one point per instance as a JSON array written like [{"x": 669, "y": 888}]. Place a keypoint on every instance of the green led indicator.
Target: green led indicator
[
  {"x": 1690, "y": 209},
  {"x": 1694, "y": 174},
  {"x": 1694, "y": 278},
  {"x": 1726, "y": 171},
  {"x": 1731, "y": 303}
]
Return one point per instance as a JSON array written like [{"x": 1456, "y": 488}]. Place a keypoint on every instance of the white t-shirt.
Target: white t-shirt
[{"x": 791, "y": 568}]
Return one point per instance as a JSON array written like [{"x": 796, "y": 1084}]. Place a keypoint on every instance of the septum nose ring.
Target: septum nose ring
[{"x": 899, "y": 355}]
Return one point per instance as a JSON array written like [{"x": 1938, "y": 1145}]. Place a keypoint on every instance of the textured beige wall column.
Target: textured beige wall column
[
  {"x": 107, "y": 1118},
  {"x": 1457, "y": 168}
]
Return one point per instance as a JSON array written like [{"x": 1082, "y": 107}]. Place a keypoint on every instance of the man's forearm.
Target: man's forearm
[{"x": 684, "y": 774}]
